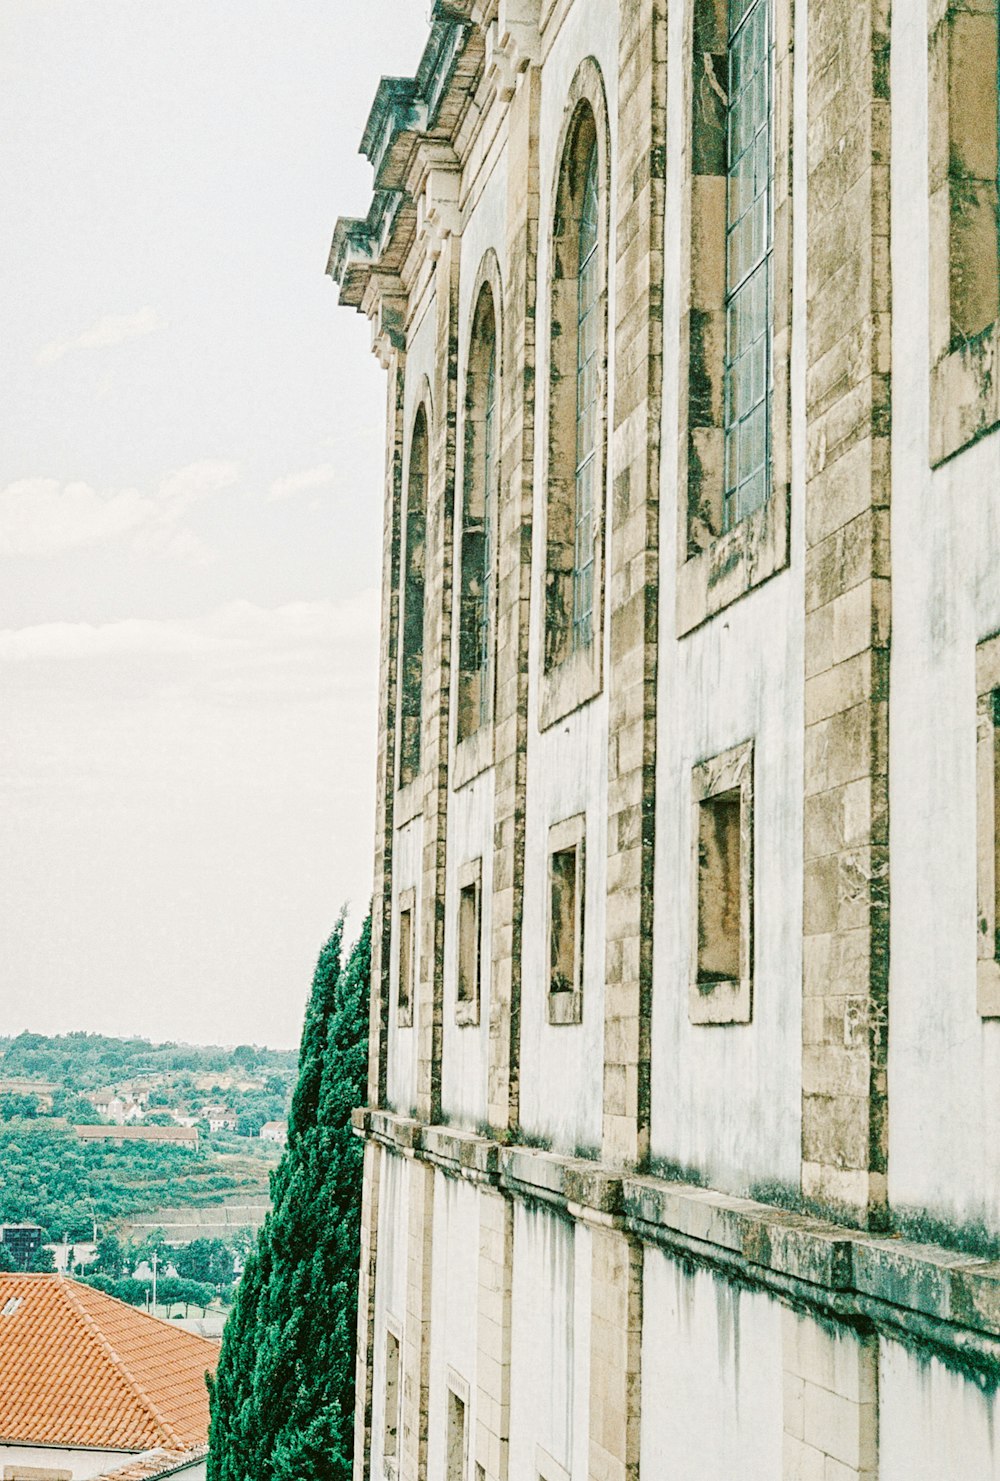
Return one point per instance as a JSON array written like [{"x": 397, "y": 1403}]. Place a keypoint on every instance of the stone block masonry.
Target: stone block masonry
[{"x": 678, "y": 1248}]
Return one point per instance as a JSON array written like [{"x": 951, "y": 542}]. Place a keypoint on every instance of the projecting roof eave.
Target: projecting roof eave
[
  {"x": 453, "y": 10},
  {"x": 404, "y": 112},
  {"x": 361, "y": 246}
]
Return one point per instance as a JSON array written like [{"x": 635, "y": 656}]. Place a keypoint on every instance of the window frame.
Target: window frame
[
  {"x": 565, "y": 1005},
  {"x": 406, "y": 905},
  {"x": 470, "y": 879},
  {"x": 571, "y": 670},
  {"x": 964, "y": 228},
  {"x": 457, "y": 1390},
  {"x": 988, "y": 827},
  {"x": 413, "y": 574},
  {"x": 716, "y": 564},
  {"x": 473, "y": 745},
  {"x": 390, "y": 1461},
  {"x": 727, "y": 1001}
]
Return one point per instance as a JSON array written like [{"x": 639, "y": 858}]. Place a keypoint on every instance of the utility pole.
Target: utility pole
[{"x": 156, "y": 1260}]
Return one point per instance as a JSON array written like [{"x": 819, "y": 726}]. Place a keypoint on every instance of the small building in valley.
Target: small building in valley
[
  {"x": 180, "y": 1136},
  {"x": 21, "y": 1241},
  {"x": 274, "y": 1131}
]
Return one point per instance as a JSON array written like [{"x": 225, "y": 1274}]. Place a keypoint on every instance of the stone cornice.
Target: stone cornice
[
  {"x": 409, "y": 139},
  {"x": 916, "y": 1292}
]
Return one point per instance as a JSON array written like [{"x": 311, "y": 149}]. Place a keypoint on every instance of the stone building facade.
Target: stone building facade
[{"x": 682, "y": 1152}]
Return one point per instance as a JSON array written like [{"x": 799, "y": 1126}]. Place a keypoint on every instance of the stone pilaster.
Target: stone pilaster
[
  {"x": 417, "y": 1337},
  {"x": 437, "y": 682},
  {"x": 365, "y": 1362},
  {"x": 633, "y": 576},
  {"x": 830, "y": 1402},
  {"x": 845, "y": 1008},
  {"x": 381, "y": 986},
  {"x": 493, "y": 1326},
  {"x": 513, "y": 599},
  {"x": 615, "y": 1352}
]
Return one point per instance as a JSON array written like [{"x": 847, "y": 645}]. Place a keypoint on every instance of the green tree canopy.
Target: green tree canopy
[{"x": 283, "y": 1397}]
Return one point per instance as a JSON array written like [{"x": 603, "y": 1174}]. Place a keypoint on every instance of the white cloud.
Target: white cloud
[
  {"x": 41, "y": 516},
  {"x": 113, "y": 329},
  {"x": 321, "y": 477},
  {"x": 239, "y": 648}
]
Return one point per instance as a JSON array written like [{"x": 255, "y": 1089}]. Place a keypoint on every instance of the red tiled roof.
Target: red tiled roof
[{"x": 79, "y": 1368}]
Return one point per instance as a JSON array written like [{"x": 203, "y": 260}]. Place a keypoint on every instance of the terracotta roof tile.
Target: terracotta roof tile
[
  {"x": 79, "y": 1368},
  {"x": 156, "y": 1463}
]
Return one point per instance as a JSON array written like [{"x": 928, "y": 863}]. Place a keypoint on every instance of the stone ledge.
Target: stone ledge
[{"x": 939, "y": 1296}]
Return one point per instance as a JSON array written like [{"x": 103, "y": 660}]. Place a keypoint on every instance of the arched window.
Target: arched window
[
  {"x": 577, "y": 358},
  {"x": 479, "y": 502},
  {"x": 411, "y": 671}
]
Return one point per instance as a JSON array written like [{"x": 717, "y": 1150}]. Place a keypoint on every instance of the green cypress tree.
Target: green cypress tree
[{"x": 283, "y": 1396}]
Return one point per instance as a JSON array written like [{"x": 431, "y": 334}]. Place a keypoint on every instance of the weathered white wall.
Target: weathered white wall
[
  {"x": 390, "y": 1285},
  {"x": 562, "y": 1066},
  {"x": 454, "y": 1328},
  {"x": 944, "y": 1061},
  {"x": 934, "y": 1424},
  {"x": 726, "y": 1099},
  {"x": 550, "y": 1336},
  {"x": 465, "y": 1055},
  {"x": 711, "y": 1377},
  {"x": 82, "y": 1463}
]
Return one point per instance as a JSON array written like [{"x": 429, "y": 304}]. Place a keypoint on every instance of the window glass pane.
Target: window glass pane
[
  {"x": 412, "y": 658},
  {"x": 490, "y": 472},
  {"x": 748, "y": 253},
  {"x": 587, "y": 409}
]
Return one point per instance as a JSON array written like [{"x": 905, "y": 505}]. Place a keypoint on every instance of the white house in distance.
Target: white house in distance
[
  {"x": 219, "y": 1118},
  {"x": 120, "y": 1110},
  {"x": 274, "y": 1131},
  {"x": 92, "y": 1389}
]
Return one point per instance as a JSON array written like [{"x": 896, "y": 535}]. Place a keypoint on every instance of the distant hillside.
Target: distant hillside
[
  {"x": 92, "y": 1061},
  {"x": 50, "y": 1177}
]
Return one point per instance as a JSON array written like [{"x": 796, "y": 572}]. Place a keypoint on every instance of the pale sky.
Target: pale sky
[{"x": 190, "y": 506}]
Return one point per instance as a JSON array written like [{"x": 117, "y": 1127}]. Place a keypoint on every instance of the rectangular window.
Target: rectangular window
[
  {"x": 736, "y": 233},
  {"x": 964, "y": 224},
  {"x": 456, "y": 1437},
  {"x": 747, "y": 380},
  {"x": 566, "y": 920},
  {"x": 988, "y": 827},
  {"x": 404, "y": 978},
  {"x": 470, "y": 882},
  {"x": 722, "y": 948},
  {"x": 393, "y": 1394},
  {"x": 719, "y": 888}
]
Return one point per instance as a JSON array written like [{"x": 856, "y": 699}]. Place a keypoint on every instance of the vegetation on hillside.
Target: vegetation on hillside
[
  {"x": 50, "y": 1084},
  {"x": 283, "y": 1396},
  {"x": 92, "y": 1061},
  {"x": 48, "y": 1176}
]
